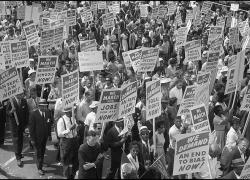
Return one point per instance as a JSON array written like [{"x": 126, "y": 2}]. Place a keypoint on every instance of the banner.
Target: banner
[
  {"x": 70, "y": 89},
  {"x": 108, "y": 20},
  {"x": 153, "y": 99},
  {"x": 135, "y": 58},
  {"x": 191, "y": 152},
  {"x": 108, "y": 109},
  {"x": 193, "y": 50},
  {"x": 144, "y": 10},
  {"x": 46, "y": 69},
  {"x": 245, "y": 173},
  {"x": 203, "y": 77},
  {"x": 10, "y": 84},
  {"x": 245, "y": 106},
  {"x": 214, "y": 33},
  {"x": 188, "y": 100},
  {"x": 86, "y": 16},
  {"x": 90, "y": 61},
  {"x": 31, "y": 34},
  {"x": 19, "y": 53},
  {"x": 128, "y": 100},
  {"x": 231, "y": 85},
  {"x": 148, "y": 59},
  {"x": 233, "y": 36},
  {"x": 88, "y": 45},
  {"x": 200, "y": 118},
  {"x": 160, "y": 165}
]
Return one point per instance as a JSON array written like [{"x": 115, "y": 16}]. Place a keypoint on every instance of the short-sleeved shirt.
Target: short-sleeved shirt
[{"x": 90, "y": 120}]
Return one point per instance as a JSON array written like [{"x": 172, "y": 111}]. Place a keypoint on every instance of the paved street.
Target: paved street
[{"x": 10, "y": 170}]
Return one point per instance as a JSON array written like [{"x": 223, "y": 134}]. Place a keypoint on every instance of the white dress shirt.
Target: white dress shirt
[
  {"x": 173, "y": 131},
  {"x": 175, "y": 92},
  {"x": 66, "y": 132}
]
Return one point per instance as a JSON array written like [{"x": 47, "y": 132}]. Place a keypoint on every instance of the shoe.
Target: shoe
[
  {"x": 41, "y": 172},
  {"x": 19, "y": 163}
]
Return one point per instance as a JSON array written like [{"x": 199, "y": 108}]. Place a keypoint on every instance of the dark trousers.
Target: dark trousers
[
  {"x": 80, "y": 134},
  {"x": 69, "y": 156},
  {"x": 115, "y": 164},
  {"x": 17, "y": 139},
  {"x": 170, "y": 161},
  {"x": 2, "y": 125},
  {"x": 40, "y": 151}
]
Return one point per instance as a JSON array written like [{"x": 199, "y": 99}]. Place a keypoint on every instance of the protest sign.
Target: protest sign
[
  {"x": 233, "y": 36},
  {"x": 148, "y": 59},
  {"x": 2, "y": 9},
  {"x": 32, "y": 13},
  {"x": 153, "y": 99},
  {"x": 193, "y": 50},
  {"x": 88, "y": 45},
  {"x": 19, "y": 53},
  {"x": 206, "y": 6},
  {"x": 46, "y": 69},
  {"x": 45, "y": 23},
  {"x": 144, "y": 10},
  {"x": 21, "y": 12},
  {"x": 58, "y": 37},
  {"x": 245, "y": 173},
  {"x": 109, "y": 106},
  {"x": 59, "y": 5},
  {"x": 162, "y": 11},
  {"x": 221, "y": 22},
  {"x": 115, "y": 8},
  {"x": 154, "y": 13},
  {"x": 208, "y": 16},
  {"x": 86, "y": 16},
  {"x": 181, "y": 37},
  {"x": 239, "y": 66},
  {"x": 160, "y": 164},
  {"x": 70, "y": 89},
  {"x": 232, "y": 61},
  {"x": 245, "y": 106},
  {"x": 188, "y": 100},
  {"x": 61, "y": 15},
  {"x": 212, "y": 60},
  {"x": 171, "y": 8},
  {"x": 10, "y": 84},
  {"x": 178, "y": 19},
  {"x": 47, "y": 39},
  {"x": 189, "y": 16},
  {"x": 200, "y": 118},
  {"x": 197, "y": 19},
  {"x": 128, "y": 99},
  {"x": 202, "y": 94},
  {"x": 234, "y": 7},
  {"x": 191, "y": 152},
  {"x": 126, "y": 60},
  {"x": 214, "y": 33},
  {"x": 231, "y": 85},
  {"x": 5, "y": 47},
  {"x": 31, "y": 34},
  {"x": 71, "y": 17},
  {"x": 108, "y": 20},
  {"x": 102, "y": 5},
  {"x": 135, "y": 58},
  {"x": 90, "y": 61},
  {"x": 203, "y": 77}
]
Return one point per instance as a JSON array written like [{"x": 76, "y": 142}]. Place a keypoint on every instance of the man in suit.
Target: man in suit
[
  {"x": 115, "y": 143},
  {"x": 233, "y": 159},
  {"x": 18, "y": 125},
  {"x": 39, "y": 121}
]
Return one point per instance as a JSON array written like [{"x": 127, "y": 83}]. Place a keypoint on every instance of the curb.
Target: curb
[{"x": 7, "y": 175}]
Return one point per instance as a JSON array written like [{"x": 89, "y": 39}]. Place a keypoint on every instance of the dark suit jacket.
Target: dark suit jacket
[
  {"x": 39, "y": 126},
  {"x": 22, "y": 114},
  {"x": 114, "y": 142}
]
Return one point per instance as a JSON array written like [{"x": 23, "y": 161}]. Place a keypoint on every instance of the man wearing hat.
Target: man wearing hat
[
  {"x": 39, "y": 123},
  {"x": 17, "y": 129},
  {"x": 90, "y": 118},
  {"x": 66, "y": 130}
]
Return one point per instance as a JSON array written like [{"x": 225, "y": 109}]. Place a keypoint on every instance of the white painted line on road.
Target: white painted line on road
[{"x": 13, "y": 158}]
